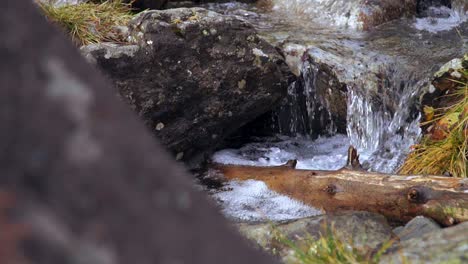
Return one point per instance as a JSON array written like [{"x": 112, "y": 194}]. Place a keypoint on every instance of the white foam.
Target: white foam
[
  {"x": 320, "y": 154},
  {"x": 327, "y": 12},
  {"x": 252, "y": 201},
  {"x": 452, "y": 19}
]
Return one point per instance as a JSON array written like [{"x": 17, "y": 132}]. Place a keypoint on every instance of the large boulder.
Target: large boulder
[{"x": 195, "y": 76}]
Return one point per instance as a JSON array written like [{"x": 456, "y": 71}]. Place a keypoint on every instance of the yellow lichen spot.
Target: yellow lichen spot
[
  {"x": 428, "y": 113},
  {"x": 176, "y": 21},
  {"x": 241, "y": 84},
  {"x": 195, "y": 17}
]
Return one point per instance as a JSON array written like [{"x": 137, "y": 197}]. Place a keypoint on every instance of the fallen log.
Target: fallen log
[{"x": 399, "y": 198}]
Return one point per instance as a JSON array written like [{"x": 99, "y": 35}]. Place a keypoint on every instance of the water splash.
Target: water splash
[
  {"x": 387, "y": 125},
  {"x": 307, "y": 110},
  {"x": 324, "y": 153},
  {"x": 383, "y": 73},
  {"x": 441, "y": 19},
  {"x": 252, "y": 201},
  {"x": 337, "y": 13},
  {"x": 382, "y": 119}
]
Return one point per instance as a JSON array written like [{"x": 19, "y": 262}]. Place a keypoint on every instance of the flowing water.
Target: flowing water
[{"x": 379, "y": 74}]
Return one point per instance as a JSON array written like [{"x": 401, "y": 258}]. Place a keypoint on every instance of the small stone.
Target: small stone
[
  {"x": 180, "y": 156},
  {"x": 159, "y": 126},
  {"x": 417, "y": 227},
  {"x": 456, "y": 74}
]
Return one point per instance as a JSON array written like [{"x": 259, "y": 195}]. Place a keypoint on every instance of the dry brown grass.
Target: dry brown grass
[
  {"x": 329, "y": 249},
  {"x": 90, "y": 22}
]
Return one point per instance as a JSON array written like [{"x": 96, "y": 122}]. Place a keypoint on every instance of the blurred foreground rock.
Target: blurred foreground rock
[{"x": 81, "y": 180}]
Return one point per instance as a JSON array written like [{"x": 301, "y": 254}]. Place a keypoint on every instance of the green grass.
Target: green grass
[
  {"x": 447, "y": 155},
  {"x": 328, "y": 249},
  {"x": 90, "y": 22}
]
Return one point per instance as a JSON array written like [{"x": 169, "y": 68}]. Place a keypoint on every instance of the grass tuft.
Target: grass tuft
[
  {"x": 90, "y": 22},
  {"x": 447, "y": 155},
  {"x": 328, "y": 249}
]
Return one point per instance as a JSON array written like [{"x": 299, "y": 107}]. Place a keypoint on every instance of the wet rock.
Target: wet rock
[
  {"x": 375, "y": 13},
  {"x": 417, "y": 227},
  {"x": 367, "y": 231},
  {"x": 423, "y": 7},
  {"x": 355, "y": 14},
  {"x": 324, "y": 106},
  {"x": 195, "y": 76},
  {"x": 446, "y": 246}
]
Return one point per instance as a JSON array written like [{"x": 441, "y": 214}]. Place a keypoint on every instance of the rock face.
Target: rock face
[
  {"x": 195, "y": 76},
  {"x": 417, "y": 227},
  {"x": 446, "y": 246},
  {"x": 323, "y": 106},
  {"x": 82, "y": 181}
]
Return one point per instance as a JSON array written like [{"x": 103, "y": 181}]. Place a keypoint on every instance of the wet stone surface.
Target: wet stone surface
[{"x": 195, "y": 76}]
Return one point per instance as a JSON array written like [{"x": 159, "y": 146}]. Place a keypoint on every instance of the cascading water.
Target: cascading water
[
  {"x": 376, "y": 78},
  {"x": 366, "y": 85},
  {"x": 308, "y": 107},
  {"x": 382, "y": 112},
  {"x": 386, "y": 128}
]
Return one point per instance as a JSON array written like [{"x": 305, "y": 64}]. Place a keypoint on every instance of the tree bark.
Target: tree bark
[{"x": 399, "y": 198}]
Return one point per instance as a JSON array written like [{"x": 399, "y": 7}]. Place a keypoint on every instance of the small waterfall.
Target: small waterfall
[
  {"x": 308, "y": 108},
  {"x": 366, "y": 84},
  {"x": 382, "y": 116},
  {"x": 384, "y": 125}
]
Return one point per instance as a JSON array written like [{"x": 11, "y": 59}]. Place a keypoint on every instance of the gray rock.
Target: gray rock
[
  {"x": 417, "y": 227},
  {"x": 367, "y": 231},
  {"x": 449, "y": 245},
  {"x": 196, "y": 77}
]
